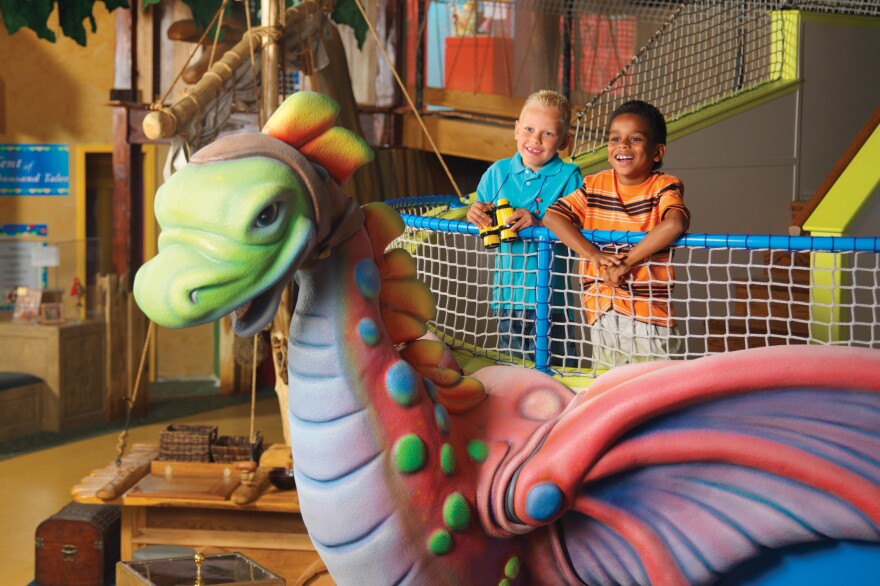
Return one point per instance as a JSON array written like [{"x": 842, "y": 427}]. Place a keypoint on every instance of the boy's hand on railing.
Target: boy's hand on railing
[
  {"x": 477, "y": 214},
  {"x": 615, "y": 275},
  {"x": 605, "y": 259}
]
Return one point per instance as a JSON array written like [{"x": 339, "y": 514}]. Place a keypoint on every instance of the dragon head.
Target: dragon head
[{"x": 246, "y": 213}]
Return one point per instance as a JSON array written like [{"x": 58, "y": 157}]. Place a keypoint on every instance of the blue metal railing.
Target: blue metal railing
[
  {"x": 546, "y": 240},
  {"x": 745, "y": 241}
]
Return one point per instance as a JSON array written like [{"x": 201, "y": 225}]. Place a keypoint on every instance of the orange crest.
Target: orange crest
[{"x": 305, "y": 122}]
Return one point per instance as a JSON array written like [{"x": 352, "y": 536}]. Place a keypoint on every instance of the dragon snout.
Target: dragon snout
[{"x": 175, "y": 292}]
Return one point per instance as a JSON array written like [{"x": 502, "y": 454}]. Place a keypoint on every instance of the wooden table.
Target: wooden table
[
  {"x": 270, "y": 530},
  {"x": 69, "y": 357}
]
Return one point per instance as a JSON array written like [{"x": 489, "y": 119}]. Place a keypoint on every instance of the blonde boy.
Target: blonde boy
[{"x": 531, "y": 181}]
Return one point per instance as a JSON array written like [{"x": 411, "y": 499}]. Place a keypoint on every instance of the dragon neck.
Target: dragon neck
[
  {"x": 340, "y": 358},
  {"x": 373, "y": 445},
  {"x": 337, "y": 310}
]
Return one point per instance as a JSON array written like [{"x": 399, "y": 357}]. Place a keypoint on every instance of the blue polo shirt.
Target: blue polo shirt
[{"x": 516, "y": 263}]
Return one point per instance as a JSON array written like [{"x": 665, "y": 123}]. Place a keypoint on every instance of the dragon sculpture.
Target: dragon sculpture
[{"x": 410, "y": 472}]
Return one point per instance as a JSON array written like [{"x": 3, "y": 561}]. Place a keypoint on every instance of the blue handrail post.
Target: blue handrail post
[{"x": 544, "y": 293}]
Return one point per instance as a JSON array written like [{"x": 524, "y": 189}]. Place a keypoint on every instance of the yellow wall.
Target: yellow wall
[
  {"x": 59, "y": 93},
  {"x": 55, "y": 93}
]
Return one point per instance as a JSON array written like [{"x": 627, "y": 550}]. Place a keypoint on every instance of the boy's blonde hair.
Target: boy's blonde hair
[{"x": 552, "y": 99}]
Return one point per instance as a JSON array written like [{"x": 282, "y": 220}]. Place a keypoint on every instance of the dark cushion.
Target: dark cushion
[{"x": 11, "y": 380}]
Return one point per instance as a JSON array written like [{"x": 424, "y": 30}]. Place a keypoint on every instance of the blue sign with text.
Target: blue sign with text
[{"x": 34, "y": 169}]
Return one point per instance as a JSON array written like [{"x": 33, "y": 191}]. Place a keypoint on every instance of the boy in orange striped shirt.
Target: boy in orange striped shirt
[{"x": 626, "y": 293}]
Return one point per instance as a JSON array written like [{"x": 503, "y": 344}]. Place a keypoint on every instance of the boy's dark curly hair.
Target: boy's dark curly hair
[{"x": 651, "y": 115}]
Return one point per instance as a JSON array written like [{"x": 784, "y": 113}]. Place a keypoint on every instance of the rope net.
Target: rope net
[
  {"x": 582, "y": 7},
  {"x": 682, "y": 56},
  {"x": 728, "y": 293},
  {"x": 703, "y": 52}
]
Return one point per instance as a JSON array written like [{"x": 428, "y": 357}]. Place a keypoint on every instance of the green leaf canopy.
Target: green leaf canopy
[{"x": 34, "y": 14}]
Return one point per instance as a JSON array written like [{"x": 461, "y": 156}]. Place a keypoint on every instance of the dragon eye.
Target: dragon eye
[{"x": 267, "y": 216}]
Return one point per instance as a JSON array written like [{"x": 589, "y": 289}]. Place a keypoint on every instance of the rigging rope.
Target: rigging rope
[
  {"x": 408, "y": 99},
  {"x": 130, "y": 401},
  {"x": 252, "y": 438},
  {"x": 186, "y": 64},
  {"x": 220, "y": 12}
]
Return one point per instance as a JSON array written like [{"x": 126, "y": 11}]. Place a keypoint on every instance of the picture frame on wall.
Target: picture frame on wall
[{"x": 52, "y": 313}]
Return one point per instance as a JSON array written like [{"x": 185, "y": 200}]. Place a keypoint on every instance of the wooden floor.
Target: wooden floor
[{"x": 37, "y": 485}]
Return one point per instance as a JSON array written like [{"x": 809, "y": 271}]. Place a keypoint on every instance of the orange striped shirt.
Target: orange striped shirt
[{"x": 601, "y": 204}]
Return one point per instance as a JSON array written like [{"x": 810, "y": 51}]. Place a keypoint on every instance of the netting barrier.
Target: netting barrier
[
  {"x": 702, "y": 53},
  {"x": 682, "y": 56},
  {"x": 729, "y": 292}
]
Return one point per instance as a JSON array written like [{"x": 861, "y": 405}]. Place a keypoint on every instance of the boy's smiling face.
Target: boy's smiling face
[
  {"x": 631, "y": 150},
  {"x": 539, "y": 135}
]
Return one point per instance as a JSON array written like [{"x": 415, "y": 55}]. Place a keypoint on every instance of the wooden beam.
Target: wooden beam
[
  {"x": 124, "y": 55},
  {"x": 121, "y": 199},
  {"x": 127, "y": 198},
  {"x": 479, "y": 140},
  {"x": 489, "y": 105},
  {"x": 125, "y": 329},
  {"x": 166, "y": 123}
]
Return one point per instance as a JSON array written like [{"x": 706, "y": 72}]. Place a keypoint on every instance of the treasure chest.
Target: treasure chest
[{"x": 78, "y": 546}]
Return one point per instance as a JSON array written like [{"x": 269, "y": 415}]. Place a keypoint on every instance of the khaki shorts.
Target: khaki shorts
[{"x": 619, "y": 339}]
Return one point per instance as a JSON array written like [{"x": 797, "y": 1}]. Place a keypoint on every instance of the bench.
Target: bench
[{"x": 21, "y": 399}]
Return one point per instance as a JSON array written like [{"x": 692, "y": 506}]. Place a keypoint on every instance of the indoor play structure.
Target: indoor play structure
[
  {"x": 409, "y": 471},
  {"x": 725, "y": 67}
]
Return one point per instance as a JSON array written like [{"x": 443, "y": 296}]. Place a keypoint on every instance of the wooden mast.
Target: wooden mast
[
  {"x": 273, "y": 15},
  {"x": 272, "y": 18},
  {"x": 127, "y": 185}
]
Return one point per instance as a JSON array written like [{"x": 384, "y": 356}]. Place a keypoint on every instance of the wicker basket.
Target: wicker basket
[
  {"x": 187, "y": 443},
  {"x": 236, "y": 448}
]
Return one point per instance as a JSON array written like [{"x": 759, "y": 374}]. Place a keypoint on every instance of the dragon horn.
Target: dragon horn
[
  {"x": 305, "y": 122},
  {"x": 302, "y": 117}
]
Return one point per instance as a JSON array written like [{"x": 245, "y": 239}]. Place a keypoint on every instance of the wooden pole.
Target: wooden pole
[
  {"x": 127, "y": 184},
  {"x": 421, "y": 17},
  {"x": 272, "y": 16},
  {"x": 166, "y": 123}
]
